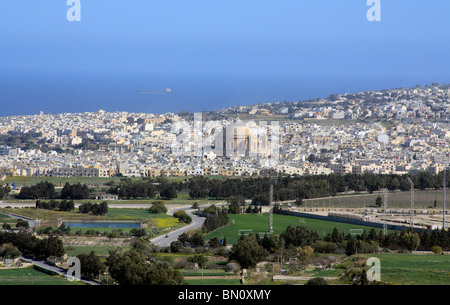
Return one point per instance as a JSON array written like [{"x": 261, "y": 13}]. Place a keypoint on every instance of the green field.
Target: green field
[
  {"x": 260, "y": 223},
  {"x": 98, "y": 250},
  {"x": 8, "y": 220},
  {"x": 413, "y": 269},
  {"x": 30, "y": 276}
]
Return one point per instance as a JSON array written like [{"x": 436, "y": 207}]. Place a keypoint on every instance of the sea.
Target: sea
[{"x": 31, "y": 93}]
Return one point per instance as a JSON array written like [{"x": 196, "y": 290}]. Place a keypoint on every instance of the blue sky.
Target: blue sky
[{"x": 275, "y": 41}]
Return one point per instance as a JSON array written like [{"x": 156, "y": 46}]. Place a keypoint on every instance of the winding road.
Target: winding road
[{"x": 166, "y": 240}]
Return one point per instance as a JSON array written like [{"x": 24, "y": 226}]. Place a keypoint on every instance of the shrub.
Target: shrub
[
  {"x": 198, "y": 259},
  {"x": 436, "y": 250},
  {"x": 321, "y": 246},
  {"x": 182, "y": 216},
  {"x": 158, "y": 207},
  {"x": 231, "y": 267},
  {"x": 317, "y": 281}
]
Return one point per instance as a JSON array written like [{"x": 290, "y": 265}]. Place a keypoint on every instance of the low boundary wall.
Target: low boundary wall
[{"x": 352, "y": 221}]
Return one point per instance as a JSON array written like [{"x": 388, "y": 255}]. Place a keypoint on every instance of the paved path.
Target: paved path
[
  {"x": 58, "y": 270},
  {"x": 197, "y": 223}
]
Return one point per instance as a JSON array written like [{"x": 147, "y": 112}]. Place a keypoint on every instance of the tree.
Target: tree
[
  {"x": 336, "y": 237},
  {"x": 169, "y": 192},
  {"x": 158, "y": 207},
  {"x": 235, "y": 203},
  {"x": 410, "y": 241},
  {"x": 197, "y": 240},
  {"x": 351, "y": 246},
  {"x": 298, "y": 236},
  {"x": 378, "y": 201},
  {"x": 198, "y": 259},
  {"x": 214, "y": 242},
  {"x": 4, "y": 190},
  {"x": 102, "y": 208},
  {"x": 304, "y": 253},
  {"x": 94, "y": 208},
  {"x": 91, "y": 265},
  {"x": 272, "y": 243},
  {"x": 247, "y": 252},
  {"x": 184, "y": 238},
  {"x": 9, "y": 251},
  {"x": 40, "y": 190},
  {"x": 317, "y": 281},
  {"x": 75, "y": 191},
  {"x": 132, "y": 268},
  {"x": 22, "y": 224},
  {"x": 260, "y": 199},
  {"x": 176, "y": 246}
]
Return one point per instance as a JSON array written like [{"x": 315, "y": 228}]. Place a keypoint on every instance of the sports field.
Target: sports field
[
  {"x": 260, "y": 223},
  {"x": 30, "y": 276}
]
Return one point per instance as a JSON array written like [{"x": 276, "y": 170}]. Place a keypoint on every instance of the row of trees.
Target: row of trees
[
  {"x": 284, "y": 187},
  {"x": 146, "y": 188},
  {"x": 41, "y": 190},
  {"x": 215, "y": 220},
  {"x": 30, "y": 245},
  {"x": 55, "y": 205},
  {"x": 46, "y": 190},
  {"x": 75, "y": 191},
  {"x": 98, "y": 209}
]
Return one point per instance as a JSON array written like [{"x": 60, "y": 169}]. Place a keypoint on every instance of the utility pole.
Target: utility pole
[
  {"x": 271, "y": 208},
  {"x": 384, "y": 211},
  {"x": 445, "y": 186},
  {"x": 411, "y": 208}
]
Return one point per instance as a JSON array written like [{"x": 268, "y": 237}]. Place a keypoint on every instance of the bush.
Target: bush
[
  {"x": 198, "y": 259},
  {"x": 321, "y": 246},
  {"x": 231, "y": 267},
  {"x": 158, "y": 207},
  {"x": 9, "y": 251},
  {"x": 176, "y": 246},
  {"x": 317, "y": 281},
  {"x": 436, "y": 250},
  {"x": 304, "y": 253},
  {"x": 182, "y": 216}
]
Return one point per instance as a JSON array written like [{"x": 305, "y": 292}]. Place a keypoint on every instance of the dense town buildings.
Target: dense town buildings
[{"x": 389, "y": 131}]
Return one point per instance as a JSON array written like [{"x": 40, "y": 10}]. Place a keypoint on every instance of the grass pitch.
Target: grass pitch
[{"x": 260, "y": 223}]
